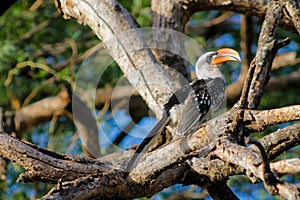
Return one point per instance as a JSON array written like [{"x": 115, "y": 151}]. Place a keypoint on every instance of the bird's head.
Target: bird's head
[{"x": 208, "y": 64}]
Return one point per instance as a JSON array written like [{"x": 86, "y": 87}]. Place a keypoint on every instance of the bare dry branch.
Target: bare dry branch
[
  {"x": 184, "y": 9},
  {"x": 166, "y": 15},
  {"x": 137, "y": 62},
  {"x": 287, "y": 166},
  {"x": 252, "y": 162},
  {"x": 259, "y": 72},
  {"x": 269, "y": 179},
  {"x": 259, "y": 120},
  {"x": 220, "y": 191},
  {"x": 162, "y": 164},
  {"x": 44, "y": 165},
  {"x": 281, "y": 140}
]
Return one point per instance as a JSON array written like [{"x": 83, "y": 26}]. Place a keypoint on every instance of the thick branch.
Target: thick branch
[
  {"x": 281, "y": 140},
  {"x": 274, "y": 144},
  {"x": 50, "y": 108},
  {"x": 252, "y": 162},
  {"x": 44, "y": 165},
  {"x": 221, "y": 191},
  {"x": 259, "y": 120},
  {"x": 253, "y": 8},
  {"x": 189, "y": 7},
  {"x": 288, "y": 166},
  {"x": 167, "y": 15},
  {"x": 156, "y": 171},
  {"x": 126, "y": 45}
]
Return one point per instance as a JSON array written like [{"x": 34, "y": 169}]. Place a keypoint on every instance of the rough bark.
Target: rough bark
[
  {"x": 153, "y": 173},
  {"x": 127, "y": 48},
  {"x": 260, "y": 68}
]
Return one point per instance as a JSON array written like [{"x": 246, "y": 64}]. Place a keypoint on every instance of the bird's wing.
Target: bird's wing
[
  {"x": 196, "y": 108},
  {"x": 216, "y": 88},
  {"x": 178, "y": 97}
]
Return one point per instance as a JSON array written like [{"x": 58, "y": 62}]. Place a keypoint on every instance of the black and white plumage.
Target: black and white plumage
[
  {"x": 205, "y": 97},
  {"x": 193, "y": 102}
]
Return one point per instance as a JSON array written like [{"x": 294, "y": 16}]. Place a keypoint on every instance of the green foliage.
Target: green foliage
[{"x": 46, "y": 59}]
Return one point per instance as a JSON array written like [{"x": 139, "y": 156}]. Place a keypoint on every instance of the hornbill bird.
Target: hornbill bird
[{"x": 193, "y": 102}]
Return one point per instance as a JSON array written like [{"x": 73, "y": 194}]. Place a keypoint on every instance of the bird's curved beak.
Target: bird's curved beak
[{"x": 225, "y": 55}]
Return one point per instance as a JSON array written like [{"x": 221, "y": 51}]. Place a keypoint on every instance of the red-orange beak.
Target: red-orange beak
[{"x": 225, "y": 55}]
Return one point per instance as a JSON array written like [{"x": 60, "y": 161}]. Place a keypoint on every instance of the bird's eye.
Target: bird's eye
[{"x": 211, "y": 56}]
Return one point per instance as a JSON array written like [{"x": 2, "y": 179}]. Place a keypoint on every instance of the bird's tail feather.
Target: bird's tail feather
[{"x": 146, "y": 143}]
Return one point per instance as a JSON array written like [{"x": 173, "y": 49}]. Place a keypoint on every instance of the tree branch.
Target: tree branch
[
  {"x": 253, "y": 8},
  {"x": 189, "y": 7},
  {"x": 221, "y": 191},
  {"x": 250, "y": 160},
  {"x": 165, "y": 165},
  {"x": 281, "y": 140},
  {"x": 287, "y": 166},
  {"x": 259, "y": 72},
  {"x": 118, "y": 30},
  {"x": 259, "y": 120},
  {"x": 269, "y": 179},
  {"x": 166, "y": 15},
  {"x": 43, "y": 165}
]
